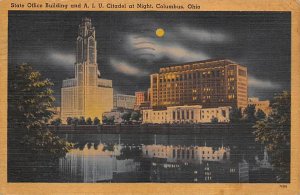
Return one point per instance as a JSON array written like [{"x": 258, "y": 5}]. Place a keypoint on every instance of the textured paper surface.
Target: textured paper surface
[{"x": 292, "y": 6}]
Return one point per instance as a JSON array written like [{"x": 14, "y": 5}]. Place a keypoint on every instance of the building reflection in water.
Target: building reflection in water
[
  {"x": 94, "y": 165},
  {"x": 152, "y": 163},
  {"x": 191, "y": 154},
  {"x": 137, "y": 160}
]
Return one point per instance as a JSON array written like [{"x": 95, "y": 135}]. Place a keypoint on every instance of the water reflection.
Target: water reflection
[
  {"x": 161, "y": 158},
  {"x": 186, "y": 154},
  {"x": 95, "y": 164}
]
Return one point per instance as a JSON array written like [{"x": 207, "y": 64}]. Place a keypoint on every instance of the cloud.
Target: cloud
[
  {"x": 262, "y": 84},
  {"x": 125, "y": 68},
  {"x": 150, "y": 48},
  {"x": 203, "y": 35},
  {"x": 49, "y": 57},
  {"x": 61, "y": 58}
]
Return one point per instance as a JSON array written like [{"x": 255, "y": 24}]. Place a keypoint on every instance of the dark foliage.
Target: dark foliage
[
  {"x": 30, "y": 106},
  {"x": 274, "y": 132}
]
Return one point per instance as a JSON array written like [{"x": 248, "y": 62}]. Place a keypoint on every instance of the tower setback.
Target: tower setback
[{"x": 86, "y": 95}]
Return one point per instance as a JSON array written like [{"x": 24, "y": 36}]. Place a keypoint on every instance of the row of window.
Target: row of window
[
  {"x": 195, "y": 75},
  {"x": 195, "y": 66},
  {"x": 201, "y": 86}
]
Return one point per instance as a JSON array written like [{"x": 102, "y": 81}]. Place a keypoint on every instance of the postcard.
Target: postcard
[{"x": 135, "y": 97}]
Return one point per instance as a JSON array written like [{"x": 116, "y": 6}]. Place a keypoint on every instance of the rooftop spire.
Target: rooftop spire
[
  {"x": 86, "y": 43},
  {"x": 86, "y": 21}
]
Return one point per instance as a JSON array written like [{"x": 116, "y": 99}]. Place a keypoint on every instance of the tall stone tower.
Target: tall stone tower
[{"x": 87, "y": 94}]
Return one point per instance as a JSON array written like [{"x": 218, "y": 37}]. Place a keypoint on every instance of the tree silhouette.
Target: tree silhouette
[
  {"x": 56, "y": 122},
  {"x": 89, "y": 121},
  {"x": 260, "y": 115},
  {"x": 274, "y": 132},
  {"x": 96, "y": 121},
  {"x": 30, "y": 106},
  {"x": 249, "y": 113},
  {"x": 126, "y": 116},
  {"x": 214, "y": 120},
  {"x": 69, "y": 120},
  {"x": 108, "y": 120},
  {"x": 135, "y": 116},
  {"x": 75, "y": 121},
  {"x": 235, "y": 115},
  {"x": 81, "y": 121}
]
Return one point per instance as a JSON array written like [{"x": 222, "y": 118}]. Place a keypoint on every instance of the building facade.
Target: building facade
[
  {"x": 87, "y": 94},
  {"x": 186, "y": 114},
  {"x": 124, "y": 101},
  {"x": 142, "y": 100},
  {"x": 263, "y": 105},
  {"x": 210, "y": 83}
]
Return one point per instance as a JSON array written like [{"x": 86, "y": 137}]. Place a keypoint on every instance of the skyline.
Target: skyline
[{"x": 128, "y": 47}]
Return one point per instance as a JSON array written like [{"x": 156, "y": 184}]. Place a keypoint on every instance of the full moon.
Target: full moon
[{"x": 160, "y": 32}]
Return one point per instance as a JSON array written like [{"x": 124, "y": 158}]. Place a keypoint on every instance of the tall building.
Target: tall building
[
  {"x": 124, "y": 101},
  {"x": 210, "y": 83},
  {"x": 87, "y": 94}
]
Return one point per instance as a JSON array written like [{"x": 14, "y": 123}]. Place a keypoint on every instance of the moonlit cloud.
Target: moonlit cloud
[
  {"x": 61, "y": 59},
  {"x": 126, "y": 68},
  {"x": 55, "y": 58},
  {"x": 203, "y": 35},
  {"x": 262, "y": 84},
  {"x": 151, "y": 48}
]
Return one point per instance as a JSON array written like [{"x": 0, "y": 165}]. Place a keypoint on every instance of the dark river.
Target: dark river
[{"x": 164, "y": 158}]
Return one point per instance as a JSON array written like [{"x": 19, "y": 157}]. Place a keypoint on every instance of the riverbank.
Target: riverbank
[{"x": 219, "y": 129}]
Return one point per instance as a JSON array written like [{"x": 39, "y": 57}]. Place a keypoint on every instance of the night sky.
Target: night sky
[{"x": 129, "y": 50}]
